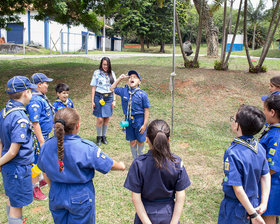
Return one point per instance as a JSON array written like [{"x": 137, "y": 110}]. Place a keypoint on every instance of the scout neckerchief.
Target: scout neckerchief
[
  {"x": 267, "y": 128},
  {"x": 65, "y": 103},
  {"x": 10, "y": 107},
  {"x": 251, "y": 145},
  {"x": 45, "y": 98},
  {"x": 131, "y": 93}
]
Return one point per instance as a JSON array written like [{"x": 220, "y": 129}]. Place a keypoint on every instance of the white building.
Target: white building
[{"x": 50, "y": 34}]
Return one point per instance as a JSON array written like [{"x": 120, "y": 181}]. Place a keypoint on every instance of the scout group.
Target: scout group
[{"x": 157, "y": 179}]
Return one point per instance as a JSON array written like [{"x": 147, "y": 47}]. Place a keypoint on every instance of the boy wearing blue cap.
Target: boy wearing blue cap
[
  {"x": 135, "y": 105},
  {"x": 63, "y": 100},
  {"x": 16, "y": 148},
  {"x": 40, "y": 113},
  {"x": 245, "y": 168}
]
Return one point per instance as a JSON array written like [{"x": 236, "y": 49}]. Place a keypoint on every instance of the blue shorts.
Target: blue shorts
[
  {"x": 132, "y": 131},
  {"x": 233, "y": 212},
  {"x": 72, "y": 203},
  {"x": 158, "y": 212},
  {"x": 273, "y": 206},
  {"x": 17, "y": 181},
  {"x": 105, "y": 110}
]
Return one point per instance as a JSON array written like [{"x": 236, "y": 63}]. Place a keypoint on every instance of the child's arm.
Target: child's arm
[
  {"x": 118, "y": 165},
  {"x": 114, "y": 100},
  {"x": 115, "y": 84},
  {"x": 146, "y": 118},
  {"x": 179, "y": 204},
  {"x": 244, "y": 200},
  {"x": 38, "y": 132},
  {"x": 12, "y": 152},
  {"x": 265, "y": 188},
  {"x": 47, "y": 179},
  {"x": 140, "y": 209}
]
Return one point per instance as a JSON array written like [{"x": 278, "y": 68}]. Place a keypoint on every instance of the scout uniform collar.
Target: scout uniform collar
[
  {"x": 268, "y": 127},
  {"x": 65, "y": 103},
  {"x": 35, "y": 92},
  {"x": 131, "y": 93},
  {"x": 249, "y": 142},
  {"x": 12, "y": 105}
]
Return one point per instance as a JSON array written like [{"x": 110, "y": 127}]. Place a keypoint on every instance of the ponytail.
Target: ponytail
[
  {"x": 65, "y": 121},
  {"x": 158, "y": 133}
]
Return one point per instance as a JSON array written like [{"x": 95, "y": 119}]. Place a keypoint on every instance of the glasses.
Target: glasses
[{"x": 231, "y": 118}]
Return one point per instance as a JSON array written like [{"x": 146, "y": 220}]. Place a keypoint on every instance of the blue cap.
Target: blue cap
[
  {"x": 19, "y": 84},
  {"x": 273, "y": 93},
  {"x": 131, "y": 72},
  {"x": 40, "y": 77}
]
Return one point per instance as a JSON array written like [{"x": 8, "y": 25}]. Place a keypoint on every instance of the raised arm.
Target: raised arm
[
  {"x": 179, "y": 204},
  {"x": 116, "y": 83},
  {"x": 140, "y": 209}
]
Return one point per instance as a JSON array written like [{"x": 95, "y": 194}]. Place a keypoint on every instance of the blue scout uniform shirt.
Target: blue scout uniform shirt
[
  {"x": 102, "y": 81},
  {"x": 139, "y": 100},
  {"x": 244, "y": 164},
  {"x": 81, "y": 158},
  {"x": 40, "y": 110},
  {"x": 271, "y": 142},
  {"x": 156, "y": 184},
  {"x": 15, "y": 127},
  {"x": 58, "y": 104}
]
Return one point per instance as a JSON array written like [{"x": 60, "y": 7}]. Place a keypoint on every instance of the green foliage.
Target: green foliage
[
  {"x": 257, "y": 69},
  {"x": 218, "y": 65},
  {"x": 191, "y": 64}
]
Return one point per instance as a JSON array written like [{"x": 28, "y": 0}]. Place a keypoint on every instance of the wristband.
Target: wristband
[{"x": 254, "y": 215}]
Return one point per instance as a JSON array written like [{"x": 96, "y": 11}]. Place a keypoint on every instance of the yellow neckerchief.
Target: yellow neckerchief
[
  {"x": 66, "y": 102},
  {"x": 252, "y": 145}
]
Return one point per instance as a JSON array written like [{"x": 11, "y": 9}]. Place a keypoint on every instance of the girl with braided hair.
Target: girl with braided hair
[
  {"x": 71, "y": 196},
  {"x": 156, "y": 178}
]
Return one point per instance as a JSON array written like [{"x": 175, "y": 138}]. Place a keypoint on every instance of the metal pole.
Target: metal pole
[
  {"x": 173, "y": 71},
  {"x": 104, "y": 33}
]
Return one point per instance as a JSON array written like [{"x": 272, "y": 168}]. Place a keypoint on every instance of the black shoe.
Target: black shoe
[
  {"x": 104, "y": 140},
  {"x": 98, "y": 140}
]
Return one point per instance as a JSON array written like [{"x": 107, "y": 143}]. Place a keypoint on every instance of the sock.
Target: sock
[
  {"x": 134, "y": 151},
  {"x": 36, "y": 185},
  {"x": 98, "y": 131},
  {"x": 41, "y": 177},
  {"x": 141, "y": 149},
  {"x": 15, "y": 220},
  {"x": 104, "y": 130},
  {"x": 8, "y": 210}
]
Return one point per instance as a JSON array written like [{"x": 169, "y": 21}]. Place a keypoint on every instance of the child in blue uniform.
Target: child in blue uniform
[
  {"x": 69, "y": 163},
  {"x": 245, "y": 167},
  {"x": 274, "y": 87},
  {"x": 63, "y": 100},
  {"x": 156, "y": 179},
  {"x": 40, "y": 113},
  {"x": 16, "y": 152},
  {"x": 135, "y": 105},
  {"x": 271, "y": 143}
]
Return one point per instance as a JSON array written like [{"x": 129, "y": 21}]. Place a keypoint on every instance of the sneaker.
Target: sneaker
[
  {"x": 38, "y": 194},
  {"x": 104, "y": 140},
  {"x": 42, "y": 183}
]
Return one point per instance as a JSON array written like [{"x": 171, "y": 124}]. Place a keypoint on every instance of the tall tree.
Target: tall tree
[
  {"x": 254, "y": 16},
  {"x": 210, "y": 28}
]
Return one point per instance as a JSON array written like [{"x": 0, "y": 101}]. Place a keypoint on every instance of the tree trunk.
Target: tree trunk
[
  {"x": 180, "y": 38},
  {"x": 162, "y": 47},
  {"x": 224, "y": 39},
  {"x": 211, "y": 30},
  {"x": 246, "y": 36},
  {"x": 254, "y": 36},
  {"x": 230, "y": 16},
  {"x": 148, "y": 43},
  {"x": 234, "y": 35},
  {"x": 142, "y": 43},
  {"x": 199, "y": 34}
]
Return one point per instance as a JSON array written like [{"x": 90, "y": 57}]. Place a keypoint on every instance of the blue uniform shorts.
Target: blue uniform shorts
[
  {"x": 233, "y": 212},
  {"x": 273, "y": 206},
  {"x": 17, "y": 181},
  {"x": 105, "y": 110},
  {"x": 72, "y": 203},
  {"x": 132, "y": 131},
  {"x": 158, "y": 212}
]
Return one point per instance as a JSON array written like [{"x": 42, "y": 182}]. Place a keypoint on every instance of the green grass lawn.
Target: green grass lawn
[{"x": 204, "y": 101}]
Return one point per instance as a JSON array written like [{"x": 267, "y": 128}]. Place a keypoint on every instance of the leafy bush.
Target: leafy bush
[
  {"x": 257, "y": 69},
  {"x": 191, "y": 64},
  {"x": 218, "y": 65}
]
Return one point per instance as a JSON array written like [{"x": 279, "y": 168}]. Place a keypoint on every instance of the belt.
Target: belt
[
  {"x": 158, "y": 200},
  {"x": 104, "y": 94}
]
